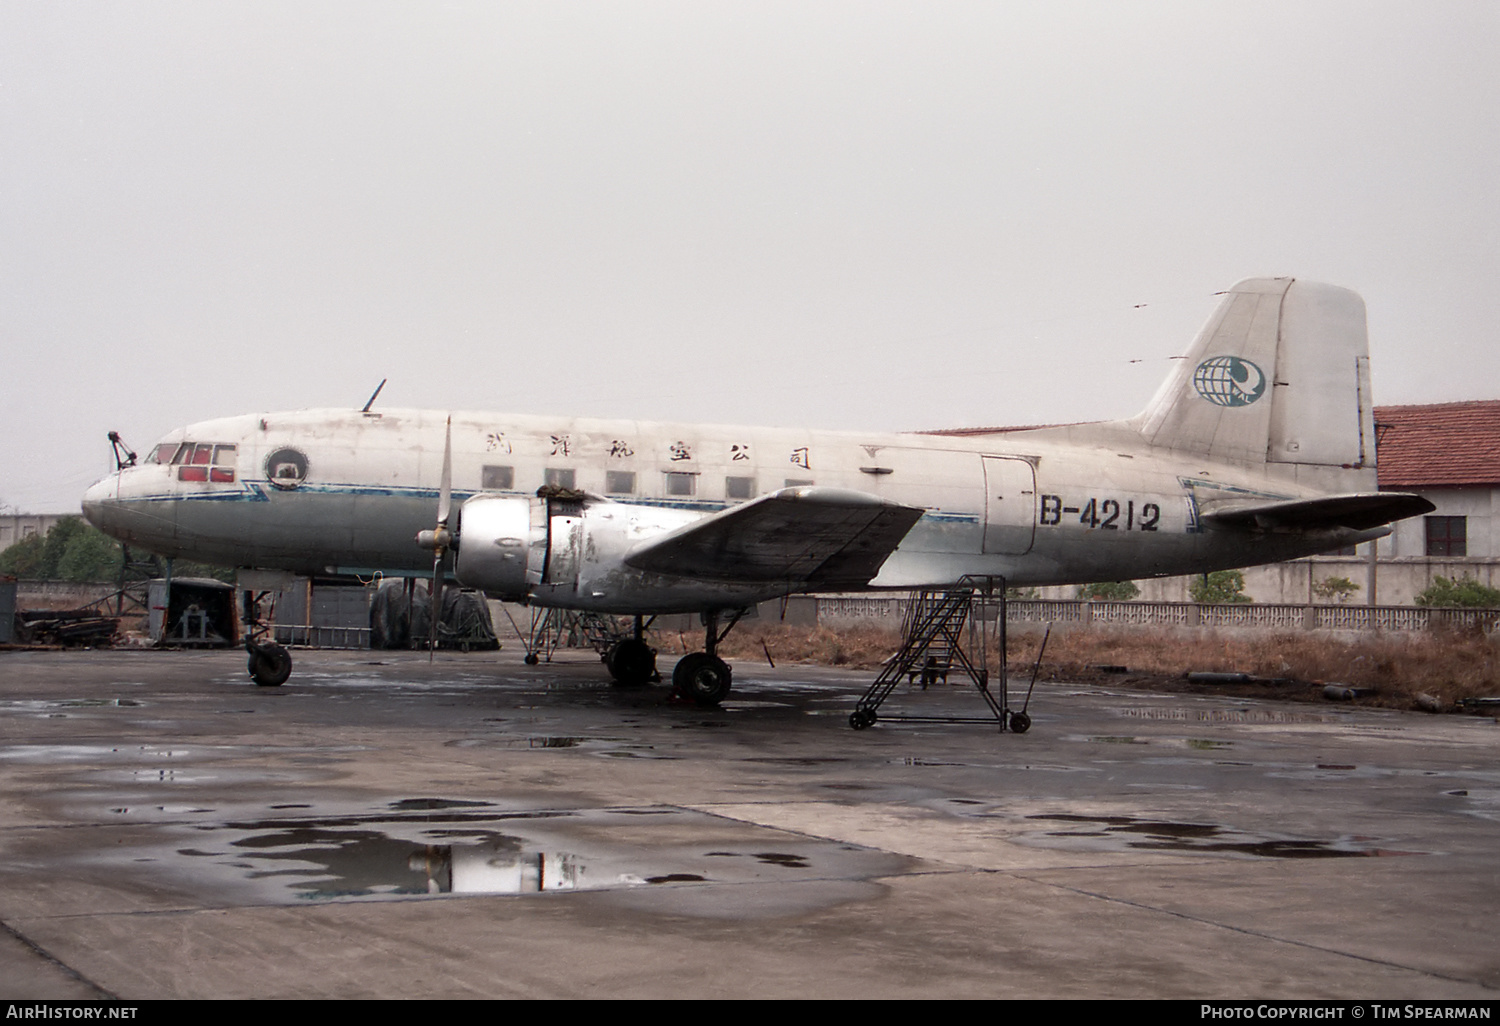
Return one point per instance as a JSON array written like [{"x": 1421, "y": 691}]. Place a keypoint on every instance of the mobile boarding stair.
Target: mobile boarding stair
[{"x": 946, "y": 631}]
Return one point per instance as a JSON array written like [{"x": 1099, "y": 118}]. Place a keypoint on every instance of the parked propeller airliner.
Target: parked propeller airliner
[{"x": 1259, "y": 447}]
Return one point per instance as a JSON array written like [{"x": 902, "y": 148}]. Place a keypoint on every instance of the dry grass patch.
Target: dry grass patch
[{"x": 1447, "y": 665}]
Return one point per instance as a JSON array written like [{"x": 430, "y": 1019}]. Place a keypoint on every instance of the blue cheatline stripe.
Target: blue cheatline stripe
[{"x": 256, "y": 493}]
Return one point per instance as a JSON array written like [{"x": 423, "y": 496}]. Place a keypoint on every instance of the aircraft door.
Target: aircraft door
[
  {"x": 564, "y": 551},
  {"x": 1009, "y": 505}
]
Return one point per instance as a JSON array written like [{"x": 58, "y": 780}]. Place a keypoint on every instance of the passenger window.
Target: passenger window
[
  {"x": 619, "y": 482},
  {"x": 497, "y": 479},
  {"x": 679, "y": 483},
  {"x": 797, "y": 482},
  {"x": 558, "y": 478},
  {"x": 739, "y": 487}
]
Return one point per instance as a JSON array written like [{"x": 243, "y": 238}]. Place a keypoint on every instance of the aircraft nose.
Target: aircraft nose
[{"x": 97, "y": 501}]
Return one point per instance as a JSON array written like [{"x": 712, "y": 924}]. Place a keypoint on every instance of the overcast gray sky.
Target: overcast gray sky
[{"x": 867, "y": 214}]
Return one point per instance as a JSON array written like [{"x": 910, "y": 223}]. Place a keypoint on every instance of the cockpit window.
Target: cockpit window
[{"x": 201, "y": 461}]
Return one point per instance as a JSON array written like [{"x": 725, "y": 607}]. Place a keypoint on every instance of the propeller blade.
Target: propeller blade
[
  {"x": 436, "y": 594},
  {"x": 441, "y": 538},
  {"x": 445, "y": 490}
]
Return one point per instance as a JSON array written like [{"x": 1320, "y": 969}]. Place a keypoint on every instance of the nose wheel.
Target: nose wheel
[{"x": 270, "y": 665}]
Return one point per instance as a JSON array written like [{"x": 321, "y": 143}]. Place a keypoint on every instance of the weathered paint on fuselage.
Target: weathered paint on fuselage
[{"x": 1048, "y": 506}]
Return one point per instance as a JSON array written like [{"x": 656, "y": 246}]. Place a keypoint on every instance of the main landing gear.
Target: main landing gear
[
  {"x": 702, "y": 676},
  {"x": 632, "y": 662}
]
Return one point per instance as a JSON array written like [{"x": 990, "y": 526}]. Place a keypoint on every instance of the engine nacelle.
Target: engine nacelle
[
  {"x": 499, "y": 539},
  {"x": 570, "y": 551}
]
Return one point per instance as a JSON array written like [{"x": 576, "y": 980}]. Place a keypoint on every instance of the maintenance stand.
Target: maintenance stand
[{"x": 935, "y": 643}]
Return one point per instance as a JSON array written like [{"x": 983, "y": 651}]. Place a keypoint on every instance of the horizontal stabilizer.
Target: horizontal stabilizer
[
  {"x": 829, "y": 537},
  {"x": 1358, "y": 512}
]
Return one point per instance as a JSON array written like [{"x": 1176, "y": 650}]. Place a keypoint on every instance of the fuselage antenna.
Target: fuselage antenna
[{"x": 373, "y": 395}]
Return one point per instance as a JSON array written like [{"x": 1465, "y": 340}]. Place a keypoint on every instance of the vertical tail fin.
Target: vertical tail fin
[{"x": 1278, "y": 375}]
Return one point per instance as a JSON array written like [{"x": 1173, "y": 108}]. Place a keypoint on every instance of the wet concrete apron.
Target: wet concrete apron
[{"x": 382, "y": 827}]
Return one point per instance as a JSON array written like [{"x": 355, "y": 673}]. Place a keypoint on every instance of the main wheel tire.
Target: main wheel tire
[
  {"x": 702, "y": 677},
  {"x": 270, "y": 665},
  {"x": 631, "y": 663}
]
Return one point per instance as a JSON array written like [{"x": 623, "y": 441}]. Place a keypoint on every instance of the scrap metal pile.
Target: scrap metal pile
[{"x": 69, "y": 627}]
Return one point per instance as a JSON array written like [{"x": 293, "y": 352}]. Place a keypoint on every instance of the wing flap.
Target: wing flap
[
  {"x": 1358, "y": 511},
  {"x": 829, "y": 537}
]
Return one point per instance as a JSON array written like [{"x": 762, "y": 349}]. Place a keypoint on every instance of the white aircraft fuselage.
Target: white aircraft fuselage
[{"x": 345, "y": 492}]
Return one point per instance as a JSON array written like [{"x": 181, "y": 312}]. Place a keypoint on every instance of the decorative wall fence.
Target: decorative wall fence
[{"x": 1269, "y": 616}]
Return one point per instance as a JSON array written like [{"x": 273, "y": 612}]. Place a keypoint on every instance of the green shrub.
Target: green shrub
[
  {"x": 1222, "y": 587},
  {"x": 1108, "y": 591},
  {"x": 1465, "y": 591},
  {"x": 1337, "y": 589},
  {"x": 70, "y": 551}
]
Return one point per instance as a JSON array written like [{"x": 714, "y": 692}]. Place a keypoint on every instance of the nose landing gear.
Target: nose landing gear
[{"x": 270, "y": 664}]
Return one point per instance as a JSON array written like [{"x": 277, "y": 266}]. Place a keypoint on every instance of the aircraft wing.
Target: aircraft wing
[
  {"x": 1359, "y": 511},
  {"x": 830, "y": 537}
]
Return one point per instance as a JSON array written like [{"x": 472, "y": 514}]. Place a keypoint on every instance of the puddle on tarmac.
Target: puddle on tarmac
[
  {"x": 1127, "y": 833},
  {"x": 45, "y": 706},
  {"x": 1242, "y": 715},
  {"x": 809, "y": 760},
  {"x": 612, "y": 746},
  {"x": 436, "y": 846},
  {"x": 80, "y": 753}
]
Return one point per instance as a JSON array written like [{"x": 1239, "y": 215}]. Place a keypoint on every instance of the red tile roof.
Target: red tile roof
[{"x": 1442, "y": 445}]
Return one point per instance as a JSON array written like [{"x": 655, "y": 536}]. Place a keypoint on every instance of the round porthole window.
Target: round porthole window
[{"x": 286, "y": 468}]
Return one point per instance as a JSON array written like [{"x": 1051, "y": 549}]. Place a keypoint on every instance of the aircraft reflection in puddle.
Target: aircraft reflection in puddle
[
  {"x": 493, "y": 868},
  {"x": 441, "y": 846},
  {"x": 319, "y": 863}
]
